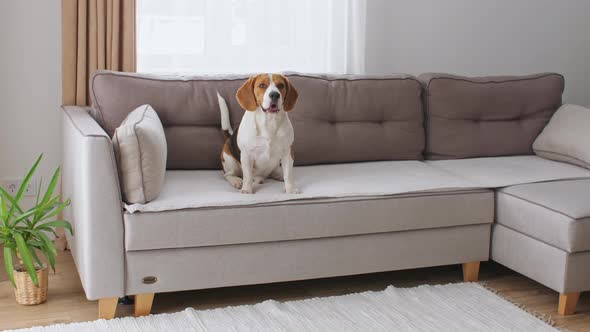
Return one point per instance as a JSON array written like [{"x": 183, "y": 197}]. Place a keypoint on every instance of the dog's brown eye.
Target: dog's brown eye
[
  {"x": 262, "y": 85},
  {"x": 281, "y": 85}
]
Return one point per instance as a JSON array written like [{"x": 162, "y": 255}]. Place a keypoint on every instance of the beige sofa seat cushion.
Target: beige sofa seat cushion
[
  {"x": 208, "y": 188},
  {"x": 498, "y": 172},
  {"x": 140, "y": 149},
  {"x": 557, "y": 212},
  {"x": 567, "y": 136}
]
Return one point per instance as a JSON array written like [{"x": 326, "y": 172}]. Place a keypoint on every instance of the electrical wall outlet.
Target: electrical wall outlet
[
  {"x": 31, "y": 189},
  {"x": 12, "y": 186}
]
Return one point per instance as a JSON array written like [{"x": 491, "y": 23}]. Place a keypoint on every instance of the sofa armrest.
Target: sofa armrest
[{"x": 91, "y": 180}]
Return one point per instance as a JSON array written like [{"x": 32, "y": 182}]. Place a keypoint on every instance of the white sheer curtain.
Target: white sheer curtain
[{"x": 246, "y": 36}]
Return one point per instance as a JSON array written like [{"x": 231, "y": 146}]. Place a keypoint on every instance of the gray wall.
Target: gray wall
[
  {"x": 483, "y": 37},
  {"x": 30, "y": 86}
]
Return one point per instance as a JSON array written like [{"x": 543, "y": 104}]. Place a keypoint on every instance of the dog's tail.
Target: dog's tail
[{"x": 225, "y": 122}]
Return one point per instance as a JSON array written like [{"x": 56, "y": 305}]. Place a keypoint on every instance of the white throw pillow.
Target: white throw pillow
[
  {"x": 140, "y": 149},
  {"x": 566, "y": 137}
]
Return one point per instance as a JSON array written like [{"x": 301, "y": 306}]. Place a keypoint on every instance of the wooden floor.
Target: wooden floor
[{"x": 68, "y": 304}]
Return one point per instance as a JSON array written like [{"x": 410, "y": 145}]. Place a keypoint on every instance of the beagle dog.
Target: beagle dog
[{"x": 262, "y": 146}]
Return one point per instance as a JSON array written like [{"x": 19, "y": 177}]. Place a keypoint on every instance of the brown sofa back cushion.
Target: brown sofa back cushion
[
  {"x": 336, "y": 119},
  {"x": 469, "y": 117}
]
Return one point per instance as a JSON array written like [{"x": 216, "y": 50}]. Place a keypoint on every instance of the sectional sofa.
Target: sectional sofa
[{"x": 396, "y": 172}]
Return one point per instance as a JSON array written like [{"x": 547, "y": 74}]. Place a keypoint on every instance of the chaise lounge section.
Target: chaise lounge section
[
  {"x": 369, "y": 202},
  {"x": 542, "y": 230}
]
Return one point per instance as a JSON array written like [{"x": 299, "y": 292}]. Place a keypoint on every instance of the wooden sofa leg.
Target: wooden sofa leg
[
  {"x": 107, "y": 307},
  {"x": 471, "y": 271},
  {"x": 143, "y": 304},
  {"x": 567, "y": 303}
]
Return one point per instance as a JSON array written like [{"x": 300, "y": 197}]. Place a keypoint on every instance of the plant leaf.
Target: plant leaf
[
  {"x": 36, "y": 258},
  {"x": 26, "y": 214},
  {"x": 38, "y": 192},
  {"x": 13, "y": 203},
  {"x": 59, "y": 223},
  {"x": 49, "y": 249},
  {"x": 46, "y": 208},
  {"x": 3, "y": 210},
  {"x": 36, "y": 244},
  {"x": 57, "y": 210},
  {"x": 25, "y": 255},
  {"x": 50, "y": 258},
  {"x": 10, "y": 245},
  {"x": 51, "y": 186},
  {"x": 48, "y": 243},
  {"x": 47, "y": 229},
  {"x": 8, "y": 265},
  {"x": 24, "y": 184}
]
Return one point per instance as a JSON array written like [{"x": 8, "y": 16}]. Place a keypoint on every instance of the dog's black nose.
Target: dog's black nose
[{"x": 274, "y": 95}]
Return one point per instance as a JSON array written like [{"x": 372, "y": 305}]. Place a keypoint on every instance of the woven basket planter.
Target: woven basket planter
[{"x": 26, "y": 292}]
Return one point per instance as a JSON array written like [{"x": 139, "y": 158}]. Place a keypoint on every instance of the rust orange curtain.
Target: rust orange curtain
[{"x": 96, "y": 34}]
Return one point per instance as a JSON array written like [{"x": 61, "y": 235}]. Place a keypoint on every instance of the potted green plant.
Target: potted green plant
[{"x": 23, "y": 234}]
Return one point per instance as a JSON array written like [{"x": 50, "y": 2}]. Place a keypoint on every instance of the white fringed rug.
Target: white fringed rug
[{"x": 453, "y": 307}]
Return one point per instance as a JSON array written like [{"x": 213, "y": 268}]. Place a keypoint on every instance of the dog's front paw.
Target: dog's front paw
[
  {"x": 292, "y": 190},
  {"x": 247, "y": 190},
  {"x": 236, "y": 182}
]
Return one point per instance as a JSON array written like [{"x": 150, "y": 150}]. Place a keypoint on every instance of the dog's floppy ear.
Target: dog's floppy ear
[
  {"x": 245, "y": 95},
  {"x": 290, "y": 97}
]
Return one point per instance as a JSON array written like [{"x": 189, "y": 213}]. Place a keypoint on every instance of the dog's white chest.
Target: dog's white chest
[
  {"x": 265, "y": 138},
  {"x": 261, "y": 148},
  {"x": 266, "y": 152}
]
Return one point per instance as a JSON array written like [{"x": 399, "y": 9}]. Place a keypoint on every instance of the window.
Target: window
[{"x": 246, "y": 36}]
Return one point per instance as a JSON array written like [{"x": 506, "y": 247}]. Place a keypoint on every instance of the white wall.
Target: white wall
[
  {"x": 483, "y": 37},
  {"x": 30, "y": 86}
]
